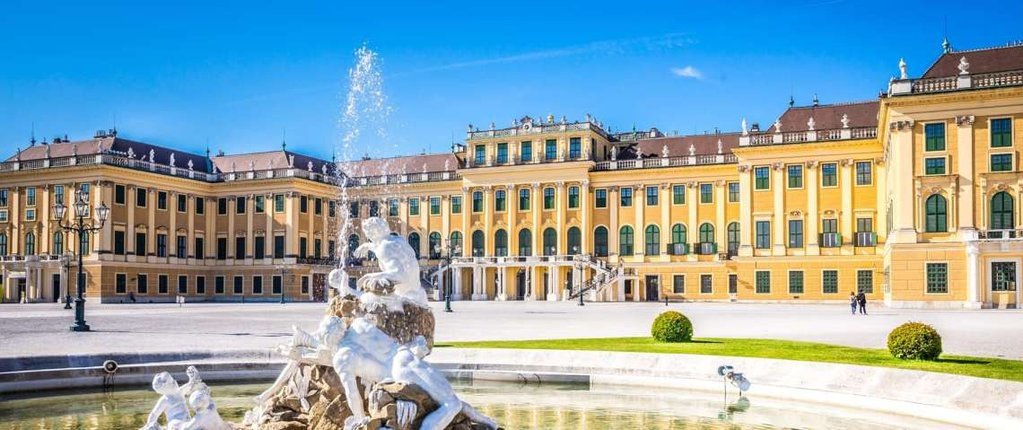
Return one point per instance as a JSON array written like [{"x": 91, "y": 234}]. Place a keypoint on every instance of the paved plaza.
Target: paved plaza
[{"x": 41, "y": 329}]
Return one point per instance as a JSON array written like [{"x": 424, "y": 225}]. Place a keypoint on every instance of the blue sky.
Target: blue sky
[{"x": 240, "y": 75}]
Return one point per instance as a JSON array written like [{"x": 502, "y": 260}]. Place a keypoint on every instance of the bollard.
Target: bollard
[{"x": 665, "y": 301}]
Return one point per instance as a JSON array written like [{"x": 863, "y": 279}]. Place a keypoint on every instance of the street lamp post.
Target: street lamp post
[
  {"x": 66, "y": 259},
  {"x": 450, "y": 248},
  {"x": 82, "y": 226},
  {"x": 283, "y": 270}
]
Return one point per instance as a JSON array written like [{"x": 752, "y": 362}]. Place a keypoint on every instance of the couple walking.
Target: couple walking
[{"x": 858, "y": 300}]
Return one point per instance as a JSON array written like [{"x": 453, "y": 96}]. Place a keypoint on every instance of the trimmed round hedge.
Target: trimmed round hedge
[
  {"x": 914, "y": 341},
  {"x": 672, "y": 326}
]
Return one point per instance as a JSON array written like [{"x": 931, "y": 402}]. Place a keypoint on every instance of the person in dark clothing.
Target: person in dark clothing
[
  {"x": 131, "y": 296},
  {"x": 862, "y": 300}
]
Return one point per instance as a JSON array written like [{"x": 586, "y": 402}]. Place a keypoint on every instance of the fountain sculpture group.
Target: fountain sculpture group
[{"x": 362, "y": 369}]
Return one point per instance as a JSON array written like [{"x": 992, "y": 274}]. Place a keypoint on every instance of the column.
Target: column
[
  {"x": 613, "y": 200},
  {"x": 488, "y": 221},
  {"x": 721, "y": 231},
  {"x": 664, "y": 199},
  {"x": 290, "y": 226},
  {"x": 43, "y": 239},
  {"x": 553, "y": 283},
  {"x": 561, "y": 204},
  {"x": 965, "y": 164},
  {"x": 745, "y": 212},
  {"x": 638, "y": 202},
  {"x": 268, "y": 234},
  {"x": 190, "y": 238},
  {"x": 901, "y": 151},
  {"x": 424, "y": 220},
  {"x": 693, "y": 230},
  {"x": 107, "y": 235},
  {"x": 403, "y": 214},
  {"x": 584, "y": 208},
  {"x": 445, "y": 221},
  {"x": 172, "y": 227},
  {"x": 536, "y": 206},
  {"x": 151, "y": 226},
  {"x": 510, "y": 206},
  {"x": 973, "y": 293},
  {"x": 847, "y": 216},
  {"x": 778, "y": 219},
  {"x": 810, "y": 222},
  {"x": 477, "y": 284},
  {"x": 881, "y": 182},
  {"x": 529, "y": 283},
  {"x": 456, "y": 281},
  {"x": 231, "y": 231}
]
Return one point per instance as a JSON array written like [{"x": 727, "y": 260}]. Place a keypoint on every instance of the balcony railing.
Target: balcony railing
[
  {"x": 536, "y": 127},
  {"x": 830, "y": 240},
  {"x": 808, "y": 136},
  {"x": 866, "y": 239},
  {"x": 706, "y": 248},
  {"x": 1014, "y": 234},
  {"x": 649, "y": 163},
  {"x": 958, "y": 82},
  {"x": 678, "y": 248}
]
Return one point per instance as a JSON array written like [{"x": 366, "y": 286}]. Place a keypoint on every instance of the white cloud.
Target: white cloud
[{"x": 687, "y": 72}]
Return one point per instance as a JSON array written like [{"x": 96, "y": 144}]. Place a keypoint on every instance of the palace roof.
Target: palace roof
[
  {"x": 112, "y": 144},
  {"x": 280, "y": 159},
  {"x": 702, "y": 144},
  {"x": 987, "y": 60},
  {"x": 438, "y": 162},
  {"x": 829, "y": 117}
]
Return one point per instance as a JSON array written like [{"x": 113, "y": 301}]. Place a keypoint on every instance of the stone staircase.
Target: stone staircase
[{"x": 604, "y": 275}]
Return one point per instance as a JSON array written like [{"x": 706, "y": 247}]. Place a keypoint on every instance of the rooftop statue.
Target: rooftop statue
[{"x": 902, "y": 69}]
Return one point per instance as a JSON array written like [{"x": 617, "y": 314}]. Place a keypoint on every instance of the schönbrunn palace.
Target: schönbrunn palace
[{"x": 912, "y": 198}]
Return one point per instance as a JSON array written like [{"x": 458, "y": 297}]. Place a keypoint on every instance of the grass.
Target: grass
[{"x": 994, "y": 368}]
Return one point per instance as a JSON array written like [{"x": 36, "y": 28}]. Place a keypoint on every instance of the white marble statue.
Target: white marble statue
[
  {"x": 903, "y": 74},
  {"x": 171, "y": 404},
  {"x": 194, "y": 383},
  {"x": 206, "y": 416},
  {"x": 190, "y": 164},
  {"x": 152, "y": 156},
  {"x": 964, "y": 66},
  {"x": 399, "y": 267},
  {"x": 310, "y": 348},
  {"x": 338, "y": 280},
  {"x": 172, "y": 160}
]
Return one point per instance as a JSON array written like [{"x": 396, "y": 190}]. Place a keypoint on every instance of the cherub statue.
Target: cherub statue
[
  {"x": 206, "y": 415},
  {"x": 398, "y": 278},
  {"x": 171, "y": 404},
  {"x": 194, "y": 383},
  {"x": 409, "y": 367}
]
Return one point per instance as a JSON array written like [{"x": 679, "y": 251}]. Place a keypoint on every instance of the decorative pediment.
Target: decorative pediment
[
  {"x": 795, "y": 213},
  {"x": 828, "y": 212}
]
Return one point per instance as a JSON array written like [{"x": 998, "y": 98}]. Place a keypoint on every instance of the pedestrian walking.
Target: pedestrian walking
[
  {"x": 862, "y": 300},
  {"x": 853, "y": 302}
]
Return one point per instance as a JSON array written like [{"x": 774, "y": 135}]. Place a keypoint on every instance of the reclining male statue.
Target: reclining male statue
[{"x": 399, "y": 268}]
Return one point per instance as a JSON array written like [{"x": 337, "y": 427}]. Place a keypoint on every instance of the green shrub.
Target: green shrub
[
  {"x": 914, "y": 341},
  {"x": 672, "y": 326}
]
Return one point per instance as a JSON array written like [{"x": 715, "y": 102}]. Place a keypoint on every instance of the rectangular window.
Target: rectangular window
[
  {"x": 573, "y": 197},
  {"x": 548, "y": 199},
  {"x": 257, "y": 285},
  {"x": 303, "y": 247},
  {"x": 259, "y": 247},
  {"x": 502, "y": 153},
  {"x": 259, "y": 204},
  {"x": 305, "y": 285},
  {"x": 413, "y": 206},
  {"x": 678, "y": 284},
  {"x": 626, "y": 197},
  {"x": 706, "y": 193},
  {"x": 829, "y": 281},
  {"x": 140, "y": 197},
  {"x": 200, "y": 206},
  {"x": 678, "y": 194},
  {"x": 524, "y": 199},
  {"x": 239, "y": 205},
  {"x": 142, "y": 283},
  {"x": 934, "y": 137},
  {"x": 481, "y": 155},
  {"x": 317, "y": 245},
  {"x": 161, "y": 200},
  {"x": 600, "y": 198},
  {"x": 795, "y": 233},
  {"x": 374, "y": 208},
  {"x": 118, "y": 243},
  {"x": 574, "y": 148},
  {"x": 354, "y": 209},
  {"x": 651, "y": 196},
  {"x": 238, "y": 285},
  {"x": 795, "y": 173},
  {"x": 550, "y": 150},
  {"x": 332, "y": 209},
  {"x": 182, "y": 284},
  {"x": 140, "y": 244},
  {"x": 121, "y": 283},
  {"x": 162, "y": 284},
  {"x": 200, "y": 285},
  {"x": 829, "y": 175},
  {"x": 456, "y": 205},
  {"x": 733, "y": 192},
  {"x": 181, "y": 247},
  {"x": 3, "y": 216},
  {"x": 200, "y": 250},
  {"x": 763, "y": 282},
  {"x": 733, "y": 283},
  {"x": 218, "y": 285},
  {"x": 477, "y": 201},
  {"x": 934, "y": 166},
  {"x": 763, "y": 234},
  {"x": 937, "y": 278},
  {"x": 864, "y": 175},
  {"x": 30, "y": 214},
  {"x": 829, "y": 225},
  {"x": 796, "y": 282},
  {"x": 279, "y": 246},
  {"x": 277, "y": 285},
  {"x": 118, "y": 195},
  {"x": 865, "y": 281},
  {"x": 706, "y": 284},
  {"x": 434, "y": 205},
  {"x": 221, "y": 248},
  {"x": 303, "y": 204},
  {"x": 239, "y": 248},
  {"x": 1001, "y": 132},
  {"x": 318, "y": 206},
  {"x": 279, "y": 203},
  {"x": 526, "y": 148},
  {"x": 182, "y": 203},
  {"x": 58, "y": 194},
  {"x": 1001, "y": 162},
  {"x": 762, "y": 177},
  {"x": 222, "y": 206},
  {"x": 30, "y": 196}
]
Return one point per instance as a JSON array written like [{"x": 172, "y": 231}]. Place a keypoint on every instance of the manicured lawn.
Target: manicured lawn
[{"x": 781, "y": 349}]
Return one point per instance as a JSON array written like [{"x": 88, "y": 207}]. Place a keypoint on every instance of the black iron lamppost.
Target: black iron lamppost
[
  {"x": 66, "y": 259},
  {"x": 83, "y": 226},
  {"x": 451, "y": 248},
  {"x": 283, "y": 270}
]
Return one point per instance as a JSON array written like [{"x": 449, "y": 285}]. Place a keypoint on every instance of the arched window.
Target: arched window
[
  {"x": 58, "y": 243},
  {"x": 501, "y": 243},
  {"x": 456, "y": 244},
  {"x": 1002, "y": 211},
  {"x": 733, "y": 237},
  {"x": 353, "y": 243},
  {"x": 706, "y": 233},
  {"x": 477, "y": 243},
  {"x": 550, "y": 242},
  {"x": 3, "y": 244},
  {"x": 936, "y": 208},
  {"x": 678, "y": 234},
  {"x": 30, "y": 243},
  {"x": 435, "y": 245},
  {"x": 575, "y": 241},
  {"x": 413, "y": 241},
  {"x": 600, "y": 241},
  {"x": 626, "y": 238},
  {"x": 653, "y": 240},
  {"x": 525, "y": 242}
]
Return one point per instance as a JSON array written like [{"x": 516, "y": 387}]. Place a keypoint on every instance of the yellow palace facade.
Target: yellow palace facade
[{"x": 911, "y": 198}]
